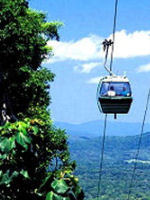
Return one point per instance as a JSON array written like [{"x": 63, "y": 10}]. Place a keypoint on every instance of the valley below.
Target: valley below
[{"x": 118, "y": 166}]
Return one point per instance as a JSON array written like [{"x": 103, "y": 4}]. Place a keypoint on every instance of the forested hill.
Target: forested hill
[
  {"x": 95, "y": 128},
  {"x": 118, "y": 164}
]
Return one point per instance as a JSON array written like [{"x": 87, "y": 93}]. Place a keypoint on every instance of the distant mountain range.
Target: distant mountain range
[
  {"x": 119, "y": 157},
  {"x": 95, "y": 128}
]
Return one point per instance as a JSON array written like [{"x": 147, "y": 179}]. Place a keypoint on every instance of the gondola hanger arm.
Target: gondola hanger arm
[
  {"x": 108, "y": 70},
  {"x": 106, "y": 44}
]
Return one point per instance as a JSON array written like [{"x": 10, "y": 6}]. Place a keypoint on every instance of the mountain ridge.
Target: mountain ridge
[{"x": 95, "y": 128}]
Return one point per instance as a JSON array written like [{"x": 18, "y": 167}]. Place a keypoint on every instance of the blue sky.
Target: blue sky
[{"x": 78, "y": 57}]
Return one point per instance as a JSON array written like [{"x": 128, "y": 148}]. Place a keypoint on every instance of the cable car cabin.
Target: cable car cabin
[{"x": 114, "y": 94}]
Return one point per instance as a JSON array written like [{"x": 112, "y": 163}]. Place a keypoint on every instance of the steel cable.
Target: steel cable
[
  {"x": 101, "y": 158},
  {"x": 108, "y": 43},
  {"x": 138, "y": 148},
  {"x": 114, "y": 30}
]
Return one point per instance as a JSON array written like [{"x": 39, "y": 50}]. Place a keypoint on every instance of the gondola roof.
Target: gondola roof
[{"x": 114, "y": 78}]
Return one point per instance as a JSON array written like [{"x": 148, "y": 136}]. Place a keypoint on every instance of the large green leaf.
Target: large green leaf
[
  {"x": 35, "y": 129},
  {"x": 23, "y": 139},
  {"x": 60, "y": 186},
  {"x": 49, "y": 196},
  {"x": 22, "y": 127},
  {"x": 3, "y": 156},
  {"x": 7, "y": 144},
  {"x": 6, "y": 178},
  {"x": 6, "y": 126},
  {"x": 12, "y": 142},
  {"x": 24, "y": 173},
  {"x": 4, "y": 145}
]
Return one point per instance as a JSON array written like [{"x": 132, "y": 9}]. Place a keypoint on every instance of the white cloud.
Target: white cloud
[
  {"x": 134, "y": 44},
  {"x": 127, "y": 45},
  {"x": 87, "y": 67},
  {"x": 144, "y": 68},
  {"x": 85, "y": 49},
  {"x": 94, "y": 80}
]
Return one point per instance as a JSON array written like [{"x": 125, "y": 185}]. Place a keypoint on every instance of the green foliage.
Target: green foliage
[
  {"x": 27, "y": 149},
  {"x": 23, "y": 46},
  {"x": 64, "y": 186},
  {"x": 118, "y": 163},
  {"x": 34, "y": 157}
]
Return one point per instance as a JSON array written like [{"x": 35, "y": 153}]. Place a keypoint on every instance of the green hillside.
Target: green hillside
[{"x": 118, "y": 164}]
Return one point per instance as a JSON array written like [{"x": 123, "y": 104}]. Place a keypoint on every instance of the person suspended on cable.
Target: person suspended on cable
[
  {"x": 124, "y": 92},
  {"x": 111, "y": 92}
]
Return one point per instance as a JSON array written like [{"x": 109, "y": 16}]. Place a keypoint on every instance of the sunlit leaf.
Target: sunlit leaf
[
  {"x": 49, "y": 196},
  {"x": 35, "y": 129},
  {"x": 24, "y": 173},
  {"x": 7, "y": 144},
  {"x": 60, "y": 186},
  {"x": 22, "y": 139},
  {"x": 6, "y": 178}
]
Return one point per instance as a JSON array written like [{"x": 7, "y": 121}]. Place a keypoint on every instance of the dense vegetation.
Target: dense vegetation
[
  {"x": 34, "y": 156},
  {"x": 117, "y": 169}
]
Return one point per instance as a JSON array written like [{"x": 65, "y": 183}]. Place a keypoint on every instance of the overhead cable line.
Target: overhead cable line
[
  {"x": 106, "y": 45},
  {"x": 138, "y": 147},
  {"x": 101, "y": 158},
  {"x": 114, "y": 30}
]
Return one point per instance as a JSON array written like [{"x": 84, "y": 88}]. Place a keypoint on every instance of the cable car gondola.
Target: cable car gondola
[
  {"x": 113, "y": 92},
  {"x": 114, "y": 95}
]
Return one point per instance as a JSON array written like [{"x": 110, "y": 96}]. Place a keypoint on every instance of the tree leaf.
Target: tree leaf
[
  {"x": 35, "y": 129},
  {"x": 60, "y": 186},
  {"x": 7, "y": 144},
  {"x": 5, "y": 178},
  {"x": 24, "y": 173},
  {"x": 49, "y": 196},
  {"x": 22, "y": 139},
  {"x": 22, "y": 127}
]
